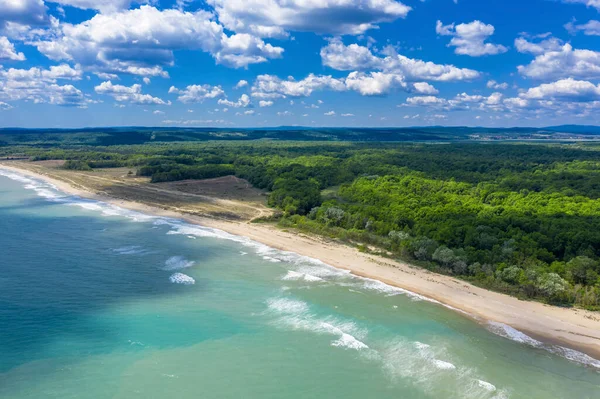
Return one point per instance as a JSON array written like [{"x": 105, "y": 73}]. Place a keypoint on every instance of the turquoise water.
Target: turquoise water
[{"x": 99, "y": 302}]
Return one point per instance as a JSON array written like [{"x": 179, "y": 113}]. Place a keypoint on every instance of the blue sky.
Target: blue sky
[{"x": 251, "y": 63}]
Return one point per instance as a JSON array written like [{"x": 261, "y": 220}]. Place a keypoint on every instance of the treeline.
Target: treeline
[{"x": 521, "y": 219}]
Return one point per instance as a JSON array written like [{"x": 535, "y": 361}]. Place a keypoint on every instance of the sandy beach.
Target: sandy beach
[{"x": 571, "y": 328}]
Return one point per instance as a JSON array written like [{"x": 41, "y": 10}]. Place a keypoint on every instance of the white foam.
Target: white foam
[
  {"x": 287, "y": 306},
  {"x": 512, "y": 334},
  {"x": 295, "y": 315},
  {"x": 178, "y": 263},
  {"x": 442, "y": 365},
  {"x": 422, "y": 346},
  {"x": 486, "y": 385},
  {"x": 517, "y": 336},
  {"x": 349, "y": 342},
  {"x": 132, "y": 250},
  {"x": 295, "y": 276},
  {"x": 388, "y": 290},
  {"x": 180, "y": 278}
]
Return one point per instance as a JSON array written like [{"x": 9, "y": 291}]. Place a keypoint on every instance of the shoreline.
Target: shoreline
[{"x": 574, "y": 329}]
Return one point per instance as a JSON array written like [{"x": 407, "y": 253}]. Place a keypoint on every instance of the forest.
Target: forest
[{"x": 518, "y": 218}]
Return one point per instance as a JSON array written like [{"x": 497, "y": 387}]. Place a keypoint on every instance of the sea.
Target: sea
[{"x": 99, "y": 302}]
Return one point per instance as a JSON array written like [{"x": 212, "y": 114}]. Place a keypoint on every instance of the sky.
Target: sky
[{"x": 254, "y": 63}]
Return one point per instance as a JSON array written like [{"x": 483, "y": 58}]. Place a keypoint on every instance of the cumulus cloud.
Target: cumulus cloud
[
  {"x": 105, "y": 6},
  {"x": 197, "y": 93},
  {"x": 241, "y": 83},
  {"x": 374, "y": 83},
  {"x": 364, "y": 83},
  {"x": 269, "y": 86},
  {"x": 460, "y": 102},
  {"x": 275, "y": 18},
  {"x": 264, "y": 103},
  {"x": 469, "y": 39},
  {"x": 242, "y": 102},
  {"x": 492, "y": 84},
  {"x": 564, "y": 62},
  {"x": 538, "y": 47},
  {"x": 565, "y": 89},
  {"x": 22, "y": 12},
  {"x": 8, "y": 52},
  {"x": 41, "y": 86},
  {"x": 354, "y": 57},
  {"x": 141, "y": 41},
  {"x": 132, "y": 94},
  {"x": 590, "y": 3},
  {"x": 591, "y": 28}
]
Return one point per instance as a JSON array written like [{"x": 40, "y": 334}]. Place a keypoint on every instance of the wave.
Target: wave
[
  {"x": 295, "y": 315},
  {"x": 295, "y": 276},
  {"x": 133, "y": 250},
  {"x": 420, "y": 364},
  {"x": 178, "y": 263},
  {"x": 515, "y": 335},
  {"x": 180, "y": 278}
]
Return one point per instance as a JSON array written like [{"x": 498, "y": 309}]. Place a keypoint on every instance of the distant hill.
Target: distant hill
[{"x": 140, "y": 135}]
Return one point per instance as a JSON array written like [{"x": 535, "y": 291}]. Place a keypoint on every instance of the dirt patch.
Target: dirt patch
[{"x": 228, "y": 187}]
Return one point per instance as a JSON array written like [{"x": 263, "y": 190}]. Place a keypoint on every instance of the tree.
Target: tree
[{"x": 551, "y": 284}]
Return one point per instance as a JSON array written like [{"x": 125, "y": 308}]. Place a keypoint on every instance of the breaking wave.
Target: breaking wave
[
  {"x": 178, "y": 263},
  {"x": 180, "y": 278}
]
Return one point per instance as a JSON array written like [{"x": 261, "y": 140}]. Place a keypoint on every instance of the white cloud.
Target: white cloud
[
  {"x": 374, "y": 83},
  {"x": 536, "y": 48},
  {"x": 366, "y": 84},
  {"x": 565, "y": 62},
  {"x": 263, "y": 103},
  {"x": 492, "y": 84},
  {"x": 354, "y": 57},
  {"x": 269, "y": 86},
  {"x": 590, "y": 3},
  {"x": 157, "y": 112},
  {"x": 274, "y": 18},
  {"x": 197, "y": 93},
  {"x": 330, "y": 113},
  {"x": 132, "y": 94},
  {"x": 348, "y": 115},
  {"x": 141, "y": 41},
  {"x": 105, "y": 6},
  {"x": 424, "y": 88},
  {"x": 591, "y": 28},
  {"x": 41, "y": 86},
  {"x": 242, "y": 102},
  {"x": 460, "y": 102},
  {"x": 8, "y": 52},
  {"x": 22, "y": 12},
  {"x": 469, "y": 39},
  {"x": 241, "y": 83},
  {"x": 4, "y": 106},
  {"x": 147, "y": 80},
  {"x": 566, "y": 89}
]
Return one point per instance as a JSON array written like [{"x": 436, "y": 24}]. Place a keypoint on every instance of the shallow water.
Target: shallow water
[{"x": 100, "y": 302}]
